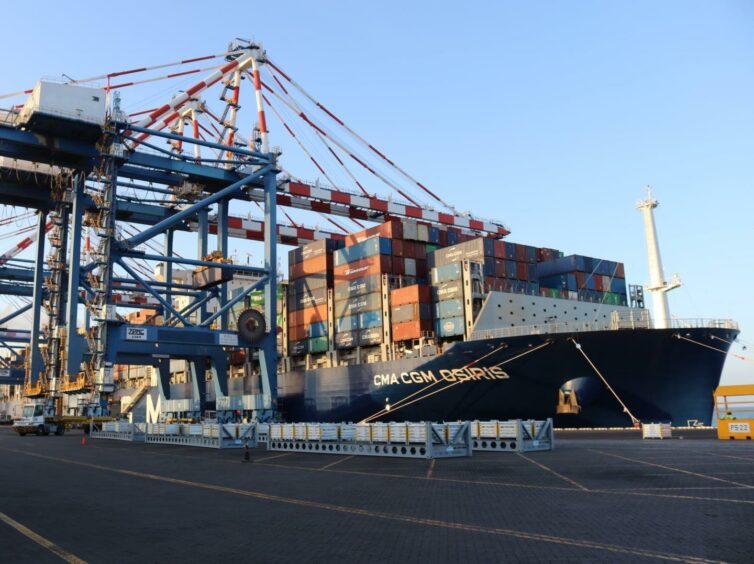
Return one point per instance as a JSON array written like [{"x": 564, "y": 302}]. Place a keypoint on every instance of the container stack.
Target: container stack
[
  {"x": 310, "y": 269},
  {"x": 410, "y": 312},
  {"x": 358, "y": 295},
  {"x": 578, "y": 277},
  {"x": 506, "y": 267}
]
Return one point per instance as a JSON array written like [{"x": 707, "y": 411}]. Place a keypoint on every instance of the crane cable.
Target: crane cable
[
  {"x": 634, "y": 420},
  {"x": 727, "y": 353},
  {"x": 342, "y": 147},
  {"x": 320, "y": 137},
  {"x": 357, "y": 136},
  {"x": 382, "y": 412}
]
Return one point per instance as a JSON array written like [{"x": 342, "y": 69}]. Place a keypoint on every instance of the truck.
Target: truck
[{"x": 40, "y": 418}]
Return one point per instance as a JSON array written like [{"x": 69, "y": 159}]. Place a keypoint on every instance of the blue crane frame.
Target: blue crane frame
[{"x": 203, "y": 346}]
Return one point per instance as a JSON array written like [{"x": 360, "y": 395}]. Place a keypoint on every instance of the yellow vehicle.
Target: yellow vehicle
[{"x": 734, "y": 407}]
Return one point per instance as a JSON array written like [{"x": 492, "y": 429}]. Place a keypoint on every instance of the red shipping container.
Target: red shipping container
[
  {"x": 500, "y": 249},
  {"x": 298, "y": 332},
  {"x": 398, "y": 245},
  {"x": 520, "y": 254},
  {"x": 499, "y": 265},
  {"x": 399, "y": 266},
  {"x": 580, "y": 280},
  {"x": 380, "y": 264},
  {"x": 443, "y": 242},
  {"x": 390, "y": 229},
  {"x": 421, "y": 268},
  {"x": 416, "y": 293},
  {"x": 316, "y": 265},
  {"x": 597, "y": 282},
  {"x": 409, "y": 249},
  {"x": 522, "y": 272},
  {"x": 420, "y": 251},
  {"x": 620, "y": 271},
  {"x": 410, "y": 329},
  {"x": 307, "y": 316}
]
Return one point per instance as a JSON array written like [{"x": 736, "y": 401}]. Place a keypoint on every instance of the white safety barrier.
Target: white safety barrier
[
  {"x": 516, "y": 435},
  {"x": 208, "y": 435},
  {"x": 121, "y": 431},
  {"x": 401, "y": 440},
  {"x": 656, "y": 431}
]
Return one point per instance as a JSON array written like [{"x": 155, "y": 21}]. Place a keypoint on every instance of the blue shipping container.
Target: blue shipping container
[
  {"x": 370, "y": 319},
  {"x": 448, "y": 308},
  {"x": 348, "y": 323},
  {"x": 449, "y": 327},
  {"x": 318, "y": 330},
  {"x": 446, "y": 273},
  {"x": 365, "y": 249},
  {"x": 618, "y": 285}
]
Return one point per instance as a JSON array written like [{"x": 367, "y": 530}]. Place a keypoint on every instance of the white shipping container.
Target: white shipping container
[
  {"x": 410, "y": 231},
  {"x": 410, "y": 266},
  {"x": 417, "y": 432},
  {"x": 508, "y": 429},
  {"x": 313, "y": 432},
  {"x": 328, "y": 432},
  {"x": 379, "y": 432},
  {"x": 363, "y": 432},
  {"x": 487, "y": 429},
  {"x": 79, "y": 103},
  {"x": 398, "y": 433},
  {"x": 423, "y": 233}
]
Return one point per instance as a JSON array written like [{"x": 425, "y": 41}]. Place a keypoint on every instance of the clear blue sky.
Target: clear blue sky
[{"x": 550, "y": 116}]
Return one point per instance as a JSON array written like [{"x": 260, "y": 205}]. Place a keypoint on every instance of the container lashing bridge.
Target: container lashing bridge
[{"x": 108, "y": 191}]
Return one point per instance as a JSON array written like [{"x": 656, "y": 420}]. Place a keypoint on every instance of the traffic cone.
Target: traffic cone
[{"x": 83, "y": 440}]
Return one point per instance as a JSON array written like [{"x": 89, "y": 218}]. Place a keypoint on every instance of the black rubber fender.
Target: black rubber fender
[{"x": 252, "y": 326}]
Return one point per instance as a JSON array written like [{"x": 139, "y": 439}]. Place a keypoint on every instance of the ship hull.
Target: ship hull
[{"x": 658, "y": 376}]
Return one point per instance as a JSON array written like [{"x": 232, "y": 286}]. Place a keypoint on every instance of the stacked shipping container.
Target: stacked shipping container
[
  {"x": 310, "y": 272},
  {"x": 584, "y": 278},
  {"x": 358, "y": 297},
  {"x": 410, "y": 312}
]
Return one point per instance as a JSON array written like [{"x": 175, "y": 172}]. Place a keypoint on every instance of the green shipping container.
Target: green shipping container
[{"x": 318, "y": 345}]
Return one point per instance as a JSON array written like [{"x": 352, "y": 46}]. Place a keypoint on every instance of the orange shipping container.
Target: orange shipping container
[
  {"x": 316, "y": 265},
  {"x": 410, "y": 329},
  {"x": 298, "y": 332},
  {"x": 390, "y": 230},
  {"x": 307, "y": 315},
  {"x": 417, "y": 293},
  {"x": 365, "y": 267}
]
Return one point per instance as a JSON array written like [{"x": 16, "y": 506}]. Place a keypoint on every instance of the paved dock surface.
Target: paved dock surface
[{"x": 596, "y": 498}]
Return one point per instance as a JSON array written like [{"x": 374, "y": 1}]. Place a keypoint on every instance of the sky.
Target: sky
[{"x": 551, "y": 117}]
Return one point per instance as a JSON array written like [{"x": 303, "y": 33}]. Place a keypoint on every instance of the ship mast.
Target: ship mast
[{"x": 657, "y": 284}]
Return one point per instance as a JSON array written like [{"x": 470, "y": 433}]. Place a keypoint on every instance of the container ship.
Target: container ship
[{"x": 407, "y": 321}]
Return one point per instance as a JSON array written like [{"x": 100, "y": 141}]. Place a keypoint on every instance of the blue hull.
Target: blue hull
[{"x": 658, "y": 376}]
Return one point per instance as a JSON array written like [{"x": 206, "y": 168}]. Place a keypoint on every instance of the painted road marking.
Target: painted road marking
[
  {"x": 41, "y": 541},
  {"x": 551, "y": 471},
  {"x": 394, "y": 517},
  {"x": 680, "y": 470},
  {"x": 336, "y": 462},
  {"x": 272, "y": 457},
  {"x": 431, "y": 468}
]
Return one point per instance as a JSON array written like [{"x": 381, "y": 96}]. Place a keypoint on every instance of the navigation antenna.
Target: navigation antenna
[{"x": 657, "y": 284}]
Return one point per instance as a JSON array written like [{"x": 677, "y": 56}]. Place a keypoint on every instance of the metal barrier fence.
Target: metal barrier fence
[
  {"x": 398, "y": 440},
  {"x": 121, "y": 431},
  {"x": 515, "y": 435},
  {"x": 208, "y": 435}
]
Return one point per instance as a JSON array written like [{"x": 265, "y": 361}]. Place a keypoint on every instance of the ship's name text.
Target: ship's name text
[{"x": 449, "y": 375}]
